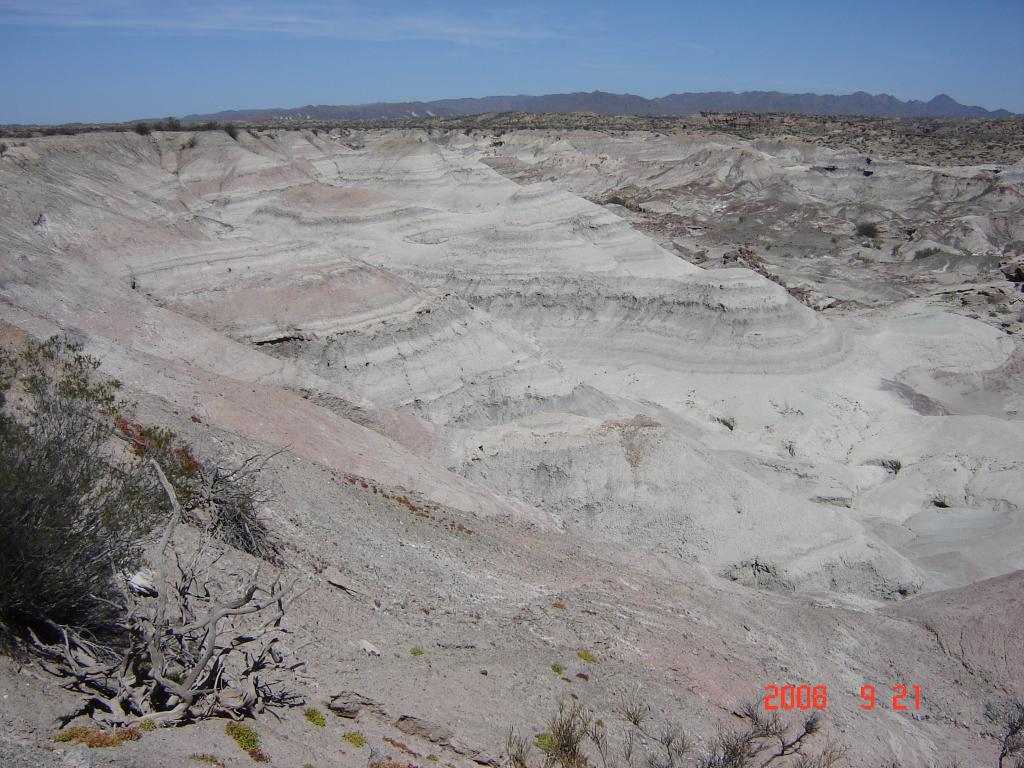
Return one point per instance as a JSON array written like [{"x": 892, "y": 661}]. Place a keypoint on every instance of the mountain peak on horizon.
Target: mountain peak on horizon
[{"x": 859, "y": 103}]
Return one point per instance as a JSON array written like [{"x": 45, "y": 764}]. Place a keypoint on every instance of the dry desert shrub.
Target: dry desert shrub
[
  {"x": 575, "y": 738},
  {"x": 1010, "y": 719},
  {"x": 868, "y": 229},
  {"x": 82, "y": 490},
  {"x": 73, "y": 512}
]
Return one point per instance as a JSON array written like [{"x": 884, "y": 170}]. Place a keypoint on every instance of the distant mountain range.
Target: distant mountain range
[{"x": 676, "y": 104}]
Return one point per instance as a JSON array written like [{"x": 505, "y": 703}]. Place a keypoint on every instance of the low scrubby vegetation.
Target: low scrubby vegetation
[
  {"x": 244, "y": 736},
  {"x": 355, "y": 738},
  {"x": 247, "y": 740},
  {"x": 84, "y": 491},
  {"x": 73, "y": 512},
  {"x": 576, "y": 737},
  {"x": 929, "y": 252},
  {"x": 94, "y": 738},
  {"x": 315, "y": 716},
  {"x": 1009, "y": 718},
  {"x": 868, "y": 229},
  {"x": 208, "y": 759},
  {"x": 889, "y": 464},
  {"x": 221, "y": 497}
]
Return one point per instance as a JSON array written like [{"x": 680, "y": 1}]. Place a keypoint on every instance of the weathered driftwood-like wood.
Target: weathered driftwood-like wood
[{"x": 191, "y": 649}]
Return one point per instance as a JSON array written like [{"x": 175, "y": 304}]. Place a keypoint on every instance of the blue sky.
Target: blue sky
[{"x": 67, "y": 60}]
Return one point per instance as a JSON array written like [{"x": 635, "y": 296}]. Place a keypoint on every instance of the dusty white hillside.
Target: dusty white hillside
[{"x": 722, "y": 487}]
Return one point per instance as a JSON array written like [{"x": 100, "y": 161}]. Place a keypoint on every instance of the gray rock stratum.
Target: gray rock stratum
[{"x": 569, "y": 346}]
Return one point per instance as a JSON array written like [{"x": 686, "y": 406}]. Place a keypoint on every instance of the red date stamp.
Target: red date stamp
[{"x": 805, "y": 697}]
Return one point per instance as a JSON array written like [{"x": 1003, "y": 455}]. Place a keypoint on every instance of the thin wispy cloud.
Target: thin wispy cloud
[{"x": 346, "y": 21}]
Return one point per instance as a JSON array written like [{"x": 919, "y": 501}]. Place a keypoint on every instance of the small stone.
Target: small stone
[
  {"x": 349, "y": 703},
  {"x": 438, "y": 734},
  {"x": 369, "y": 648}
]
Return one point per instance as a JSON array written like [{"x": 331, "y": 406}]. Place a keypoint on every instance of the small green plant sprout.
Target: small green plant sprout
[
  {"x": 558, "y": 669},
  {"x": 213, "y": 760},
  {"x": 586, "y": 656},
  {"x": 416, "y": 651},
  {"x": 315, "y": 716},
  {"x": 433, "y": 759},
  {"x": 355, "y": 738},
  {"x": 245, "y": 737},
  {"x": 544, "y": 741}
]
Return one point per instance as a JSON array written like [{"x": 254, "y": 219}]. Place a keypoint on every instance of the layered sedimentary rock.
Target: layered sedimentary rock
[{"x": 524, "y": 337}]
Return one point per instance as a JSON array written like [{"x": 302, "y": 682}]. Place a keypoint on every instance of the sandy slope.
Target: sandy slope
[{"x": 702, "y": 462}]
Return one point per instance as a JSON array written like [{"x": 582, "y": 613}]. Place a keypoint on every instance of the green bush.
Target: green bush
[
  {"x": 75, "y": 507},
  {"x": 142, "y": 129}
]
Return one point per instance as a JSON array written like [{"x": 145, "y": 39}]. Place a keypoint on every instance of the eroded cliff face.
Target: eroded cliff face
[{"x": 696, "y": 451}]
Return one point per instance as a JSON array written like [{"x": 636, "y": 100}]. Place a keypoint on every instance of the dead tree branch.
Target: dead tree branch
[{"x": 194, "y": 647}]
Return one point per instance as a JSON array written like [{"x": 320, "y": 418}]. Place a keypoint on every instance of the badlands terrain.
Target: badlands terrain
[{"x": 723, "y": 406}]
